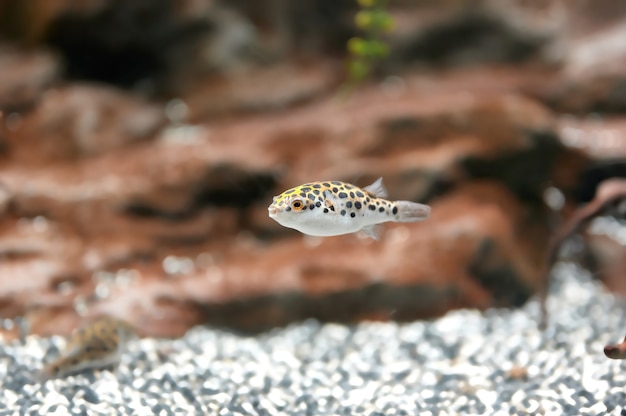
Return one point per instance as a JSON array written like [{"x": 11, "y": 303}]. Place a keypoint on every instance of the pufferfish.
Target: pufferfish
[
  {"x": 98, "y": 344},
  {"x": 334, "y": 208}
]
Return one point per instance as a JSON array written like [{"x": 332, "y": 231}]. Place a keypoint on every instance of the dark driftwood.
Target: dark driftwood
[
  {"x": 608, "y": 196},
  {"x": 616, "y": 352}
]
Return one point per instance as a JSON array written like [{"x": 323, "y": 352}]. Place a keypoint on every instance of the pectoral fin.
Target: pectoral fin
[{"x": 370, "y": 231}]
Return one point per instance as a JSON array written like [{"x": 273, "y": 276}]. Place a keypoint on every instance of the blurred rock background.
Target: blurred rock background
[{"x": 141, "y": 142}]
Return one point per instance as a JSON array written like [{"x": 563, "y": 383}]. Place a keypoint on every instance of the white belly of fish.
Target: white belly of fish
[{"x": 326, "y": 227}]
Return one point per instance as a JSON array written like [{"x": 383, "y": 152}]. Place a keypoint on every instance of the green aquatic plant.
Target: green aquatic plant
[{"x": 374, "y": 20}]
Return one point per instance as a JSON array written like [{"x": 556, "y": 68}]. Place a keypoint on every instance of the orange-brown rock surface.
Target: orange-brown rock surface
[
  {"x": 117, "y": 198},
  {"x": 481, "y": 158}
]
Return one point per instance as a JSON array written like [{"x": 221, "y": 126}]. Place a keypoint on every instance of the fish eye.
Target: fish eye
[{"x": 297, "y": 204}]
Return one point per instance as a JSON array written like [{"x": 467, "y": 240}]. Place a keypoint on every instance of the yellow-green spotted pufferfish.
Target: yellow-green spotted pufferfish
[
  {"x": 334, "y": 208},
  {"x": 98, "y": 344}
]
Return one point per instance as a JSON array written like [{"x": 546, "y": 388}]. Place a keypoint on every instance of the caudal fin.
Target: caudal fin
[{"x": 411, "y": 211}]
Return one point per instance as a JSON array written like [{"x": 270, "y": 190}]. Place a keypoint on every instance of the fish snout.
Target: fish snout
[{"x": 272, "y": 210}]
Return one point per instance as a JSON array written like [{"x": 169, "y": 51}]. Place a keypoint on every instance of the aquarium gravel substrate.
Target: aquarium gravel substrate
[{"x": 465, "y": 363}]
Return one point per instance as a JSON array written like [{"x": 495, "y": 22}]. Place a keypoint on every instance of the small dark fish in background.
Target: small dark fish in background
[{"x": 96, "y": 345}]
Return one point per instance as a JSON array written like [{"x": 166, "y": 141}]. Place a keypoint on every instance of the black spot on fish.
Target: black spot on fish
[
  {"x": 395, "y": 210},
  {"x": 381, "y": 209},
  {"x": 357, "y": 205},
  {"x": 318, "y": 204},
  {"x": 332, "y": 208},
  {"x": 352, "y": 214},
  {"x": 305, "y": 189},
  {"x": 335, "y": 190},
  {"x": 351, "y": 194},
  {"x": 325, "y": 210},
  {"x": 317, "y": 186},
  {"x": 316, "y": 192},
  {"x": 326, "y": 184},
  {"x": 359, "y": 194},
  {"x": 343, "y": 195},
  {"x": 336, "y": 183},
  {"x": 372, "y": 208},
  {"x": 349, "y": 204},
  {"x": 288, "y": 209},
  {"x": 343, "y": 212},
  {"x": 302, "y": 194},
  {"x": 311, "y": 206}
]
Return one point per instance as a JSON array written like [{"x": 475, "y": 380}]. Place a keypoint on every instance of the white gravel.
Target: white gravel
[{"x": 465, "y": 363}]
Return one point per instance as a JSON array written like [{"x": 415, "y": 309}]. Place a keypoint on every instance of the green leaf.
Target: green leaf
[
  {"x": 380, "y": 20},
  {"x": 376, "y": 49},
  {"x": 357, "y": 46},
  {"x": 366, "y": 3},
  {"x": 358, "y": 69},
  {"x": 363, "y": 19}
]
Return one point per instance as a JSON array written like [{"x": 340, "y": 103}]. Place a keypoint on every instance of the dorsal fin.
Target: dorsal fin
[{"x": 376, "y": 189}]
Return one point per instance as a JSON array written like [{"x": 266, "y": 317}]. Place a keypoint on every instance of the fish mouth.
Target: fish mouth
[{"x": 272, "y": 211}]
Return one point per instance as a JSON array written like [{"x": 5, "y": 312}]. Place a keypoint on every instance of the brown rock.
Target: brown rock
[
  {"x": 24, "y": 77},
  {"x": 461, "y": 33},
  {"x": 82, "y": 120},
  {"x": 172, "y": 47},
  {"x": 602, "y": 141},
  {"x": 179, "y": 223},
  {"x": 419, "y": 141},
  {"x": 302, "y": 27},
  {"x": 592, "y": 78},
  {"x": 605, "y": 249},
  {"x": 29, "y": 22},
  {"x": 5, "y": 200},
  {"x": 408, "y": 274},
  {"x": 255, "y": 89}
]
